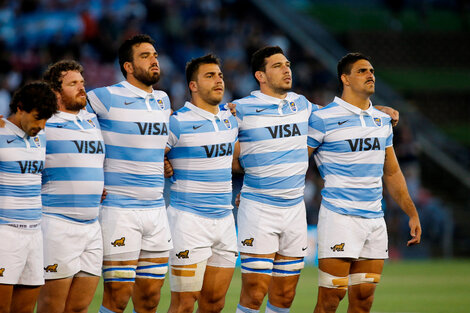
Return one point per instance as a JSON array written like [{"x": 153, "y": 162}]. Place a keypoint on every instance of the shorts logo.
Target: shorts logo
[
  {"x": 37, "y": 142},
  {"x": 183, "y": 254},
  {"x": 1, "y": 271},
  {"x": 227, "y": 123},
  {"x": 91, "y": 123},
  {"x": 292, "y": 106},
  {"x": 51, "y": 268},
  {"x": 119, "y": 242},
  {"x": 248, "y": 242},
  {"x": 378, "y": 121},
  {"x": 338, "y": 247}
]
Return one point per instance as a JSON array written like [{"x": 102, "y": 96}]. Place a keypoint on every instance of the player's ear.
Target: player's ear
[
  {"x": 193, "y": 86},
  {"x": 345, "y": 79},
  {"x": 128, "y": 67},
  {"x": 260, "y": 76}
]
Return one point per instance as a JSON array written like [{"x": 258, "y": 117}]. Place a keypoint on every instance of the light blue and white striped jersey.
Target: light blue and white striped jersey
[
  {"x": 273, "y": 147},
  {"x": 134, "y": 125},
  {"x": 72, "y": 181},
  {"x": 21, "y": 164},
  {"x": 201, "y": 155},
  {"x": 350, "y": 153}
]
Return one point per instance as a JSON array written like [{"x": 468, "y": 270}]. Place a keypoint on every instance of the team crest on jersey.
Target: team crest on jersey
[
  {"x": 227, "y": 123},
  {"x": 293, "y": 106},
  {"x": 91, "y": 123},
  {"x": 160, "y": 103},
  {"x": 37, "y": 142},
  {"x": 378, "y": 121}
]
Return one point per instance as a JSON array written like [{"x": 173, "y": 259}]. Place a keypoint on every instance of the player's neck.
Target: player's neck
[
  {"x": 14, "y": 119},
  {"x": 273, "y": 93},
  {"x": 137, "y": 83},
  {"x": 214, "y": 109},
  {"x": 358, "y": 100},
  {"x": 62, "y": 108}
]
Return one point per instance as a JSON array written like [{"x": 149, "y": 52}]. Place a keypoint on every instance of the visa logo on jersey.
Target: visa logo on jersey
[
  {"x": 92, "y": 147},
  {"x": 364, "y": 144},
  {"x": 152, "y": 128},
  {"x": 31, "y": 167},
  {"x": 218, "y": 150},
  {"x": 282, "y": 131}
]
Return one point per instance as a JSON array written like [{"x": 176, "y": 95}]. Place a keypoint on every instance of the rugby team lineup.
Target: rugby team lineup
[{"x": 84, "y": 173}]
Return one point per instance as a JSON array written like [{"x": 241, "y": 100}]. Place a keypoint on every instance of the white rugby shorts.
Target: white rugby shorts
[
  {"x": 347, "y": 236},
  {"x": 128, "y": 231},
  {"x": 21, "y": 261},
  {"x": 197, "y": 238},
  {"x": 266, "y": 229},
  {"x": 71, "y": 247}
]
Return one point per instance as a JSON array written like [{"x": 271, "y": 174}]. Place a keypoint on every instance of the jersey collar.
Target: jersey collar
[
  {"x": 15, "y": 129},
  {"x": 353, "y": 108},
  {"x": 70, "y": 116},
  {"x": 258, "y": 94},
  {"x": 203, "y": 113},
  {"x": 141, "y": 93}
]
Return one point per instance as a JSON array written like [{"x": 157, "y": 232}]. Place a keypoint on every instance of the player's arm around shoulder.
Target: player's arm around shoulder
[{"x": 396, "y": 185}]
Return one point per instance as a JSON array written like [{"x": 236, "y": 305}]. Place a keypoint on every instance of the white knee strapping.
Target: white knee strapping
[
  {"x": 361, "y": 278},
  {"x": 119, "y": 273},
  {"x": 256, "y": 265},
  {"x": 329, "y": 281},
  {"x": 151, "y": 270},
  {"x": 187, "y": 277},
  {"x": 287, "y": 267}
]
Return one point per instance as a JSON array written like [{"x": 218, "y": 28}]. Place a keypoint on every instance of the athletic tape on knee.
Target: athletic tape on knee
[
  {"x": 283, "y": 268},
  {"x": 119, "y": 273},
  {"x": 185, "y": 278},
  {"x": 361, "y": 278},
  {"x": 329, "y": 281},
  {"x": 151, "y": 270},
  {"x": 256, "y": 265}
]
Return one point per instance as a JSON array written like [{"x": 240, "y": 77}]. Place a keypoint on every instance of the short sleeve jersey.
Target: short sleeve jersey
[
  {"x": 273, "y": 147},
  {"x": 201, "y": 154},
  {"x": 350, "y": 153},
  {"x": 72, "y": 181},
  {"x": 134, "y": 125},
  {"x": 21, "y": 165}
]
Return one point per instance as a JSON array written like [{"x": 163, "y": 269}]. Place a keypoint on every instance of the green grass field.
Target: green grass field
[{"x": 413, "y": 286}]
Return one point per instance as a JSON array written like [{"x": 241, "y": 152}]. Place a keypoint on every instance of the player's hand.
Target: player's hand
[
  {"x": 168, "y": 168},
  {"x": 231, "y": 106},
  {"x": 237, "y": 200},
  {"x": 2, "y": 122},
  {"x": 394, "y": 114},
  {"x": 104, "y": 194},
  {"x": 415, "y": 231}
]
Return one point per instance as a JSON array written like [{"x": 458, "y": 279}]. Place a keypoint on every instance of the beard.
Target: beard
[
  {"x": 74, "y": 104},
  {"x": 146, "y": 78}
]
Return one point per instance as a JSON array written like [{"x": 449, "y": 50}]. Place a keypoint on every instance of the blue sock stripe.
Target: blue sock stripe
[
  {"x": 257, "y": 270},
  {"x": 152, "y": 266},
  {"x": 119, "y": 269},
  {"x": 105, "y": 310},
  {"x": 246, "y": 310},
  {"x": 276, "y": 309},
  {"x": 151, "y": 275},
  {"x": 288, "y": 262},
  {"x": 119, "y": 280},
  {"x": 247, "y": 260},
  {"x": 275, "y": 270}
]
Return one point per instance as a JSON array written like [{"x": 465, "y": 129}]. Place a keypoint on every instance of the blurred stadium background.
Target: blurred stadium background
[{"x": 420, "y": 50}]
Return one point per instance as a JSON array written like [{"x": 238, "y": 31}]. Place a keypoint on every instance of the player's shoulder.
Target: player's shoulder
[
  {"x": 160, "y": 94},
  {"x": 379, "y": 113},
  {"x": 331, "y": 108}
]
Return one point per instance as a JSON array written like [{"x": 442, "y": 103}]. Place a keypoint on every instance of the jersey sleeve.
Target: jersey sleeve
[
  {"x": 99, "y": 101},
  {"x": 175, "y": 132},
  {"x": 316, "y": 131},
  {"x": 389, "y": 140}
]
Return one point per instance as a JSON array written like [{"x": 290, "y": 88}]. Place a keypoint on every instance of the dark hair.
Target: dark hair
[
  {"x": 54, "y": 72},
  {"x": 35, "y": 95},
  {"x": 125, "y": 50},
  {"x": 193, "y": 65},
  {"x": 258, "y": 59},
  {"x": 346, "y": 62}
]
